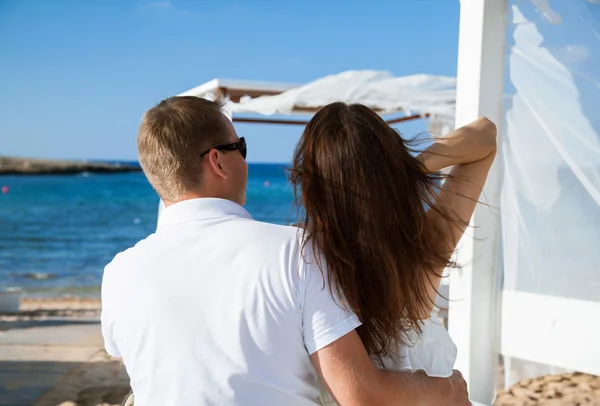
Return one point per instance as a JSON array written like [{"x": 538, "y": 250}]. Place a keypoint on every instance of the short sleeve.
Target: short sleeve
[
  {"x": 106, "y": 318},
  {"x": 323, "y": 319},
  {"x": 109, "y": 344}
]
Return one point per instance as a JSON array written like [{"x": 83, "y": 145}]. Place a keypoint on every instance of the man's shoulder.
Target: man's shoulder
[
  {"x": 275, "y": 230},
  {"x": 254, "y": 233},
  {"x": 126, "y": 257},
  {"x": 271, "y": 234}
]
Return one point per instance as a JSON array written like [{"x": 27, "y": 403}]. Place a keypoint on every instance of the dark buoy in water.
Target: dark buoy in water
[{"x": 4, "y": 189}]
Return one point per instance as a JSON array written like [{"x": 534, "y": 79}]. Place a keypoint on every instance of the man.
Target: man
[{"x": 218, "y": 309}]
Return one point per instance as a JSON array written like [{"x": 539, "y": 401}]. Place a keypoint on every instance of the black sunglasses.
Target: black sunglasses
[{"x": 235, "y": 146}]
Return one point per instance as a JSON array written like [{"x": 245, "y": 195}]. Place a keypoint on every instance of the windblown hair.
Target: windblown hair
[{"x": 363, "y": 199}]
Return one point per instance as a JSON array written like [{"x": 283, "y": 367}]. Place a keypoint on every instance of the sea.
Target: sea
[{"x": 57, "y": 232}]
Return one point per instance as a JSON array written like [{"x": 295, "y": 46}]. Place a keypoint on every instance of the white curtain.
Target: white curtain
[{"x": 550, "y": 199}]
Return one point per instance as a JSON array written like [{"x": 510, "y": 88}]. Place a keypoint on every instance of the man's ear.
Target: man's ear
[{"x": 215, "y": 164}]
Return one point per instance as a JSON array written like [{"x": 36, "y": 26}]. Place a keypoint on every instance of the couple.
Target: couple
[{"x": 216, "y": 308}]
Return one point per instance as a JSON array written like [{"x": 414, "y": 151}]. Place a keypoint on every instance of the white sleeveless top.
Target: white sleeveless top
[{"x": 433, "y": 352}]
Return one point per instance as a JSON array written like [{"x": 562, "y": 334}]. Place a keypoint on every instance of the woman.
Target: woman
[{"x": 384, "y": 226}]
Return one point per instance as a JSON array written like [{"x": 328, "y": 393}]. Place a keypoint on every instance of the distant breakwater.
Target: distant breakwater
[{"x": 32, "y": 166}]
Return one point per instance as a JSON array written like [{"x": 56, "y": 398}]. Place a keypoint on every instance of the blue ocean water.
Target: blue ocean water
[{"x": 58, "y": 232}]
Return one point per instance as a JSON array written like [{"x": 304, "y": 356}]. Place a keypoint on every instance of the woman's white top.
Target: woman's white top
[{"x": 433, "y": 352}]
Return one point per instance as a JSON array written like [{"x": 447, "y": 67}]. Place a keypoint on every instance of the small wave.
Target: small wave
[
  {"x": 92, "y": 291},
  {"x": 39, "y": 275}
]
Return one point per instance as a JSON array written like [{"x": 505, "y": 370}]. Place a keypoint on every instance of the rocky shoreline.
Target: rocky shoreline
[{"x": 27, "y": 166}]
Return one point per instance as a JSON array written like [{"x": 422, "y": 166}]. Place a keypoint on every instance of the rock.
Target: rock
[{"x": 21, "y": 166}]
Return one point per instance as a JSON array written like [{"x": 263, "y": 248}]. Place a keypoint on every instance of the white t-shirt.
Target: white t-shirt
[
  {"x": 216, "y": 308},
  {"x": 433, "y": 352}
]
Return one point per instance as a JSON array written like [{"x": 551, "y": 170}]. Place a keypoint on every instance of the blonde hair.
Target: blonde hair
[{"x": 171, "y": 138}]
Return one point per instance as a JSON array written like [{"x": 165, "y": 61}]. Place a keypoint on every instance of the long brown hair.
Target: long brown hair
[{"x": 363, "y": 199}]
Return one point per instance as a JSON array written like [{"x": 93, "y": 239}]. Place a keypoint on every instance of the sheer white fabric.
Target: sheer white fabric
[
  {"x": 425, "y": 95},
  {"x": 420, "y": 94},
  {"x": 550, "y": 197}
]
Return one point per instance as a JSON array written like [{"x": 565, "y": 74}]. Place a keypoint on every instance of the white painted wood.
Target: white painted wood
[
  {"x": 230, "y": 84},
  {"x": 473, "y": 288},
  {"x": 559, "y": 331}
]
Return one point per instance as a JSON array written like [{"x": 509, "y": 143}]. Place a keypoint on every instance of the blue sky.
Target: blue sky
[{"x": 76, "y": 76}]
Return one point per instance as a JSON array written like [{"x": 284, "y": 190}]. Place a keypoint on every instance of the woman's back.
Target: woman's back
[
  {"x": 386, "y": 227},
  {"x": 364, "y": 197},
  {"x": 432, "y": 351}
]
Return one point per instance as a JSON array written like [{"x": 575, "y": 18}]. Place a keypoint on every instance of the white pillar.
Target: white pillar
[{"x": 473, "y": 290}]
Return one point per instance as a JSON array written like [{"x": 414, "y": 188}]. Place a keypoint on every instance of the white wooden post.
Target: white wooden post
[{"x": 472, "y": 321}]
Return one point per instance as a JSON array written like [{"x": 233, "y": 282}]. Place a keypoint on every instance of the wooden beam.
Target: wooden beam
[
  {"x": 268, "y": 121},
  {"x": 235, "y": 94},
  {"x": 406, "y": 118},
  {"x": 304, "y": 122}
]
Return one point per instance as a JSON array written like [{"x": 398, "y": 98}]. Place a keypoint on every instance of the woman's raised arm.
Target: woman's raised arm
[{"x": 470, "y": 150}]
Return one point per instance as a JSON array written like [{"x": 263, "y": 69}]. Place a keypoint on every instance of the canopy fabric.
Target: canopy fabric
[{"x": 425, "y": 95}]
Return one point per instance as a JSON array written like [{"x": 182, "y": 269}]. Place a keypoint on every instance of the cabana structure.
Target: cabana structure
[
  {"x": 397, "y": 98},
  {"x": 528, "y": 294}
]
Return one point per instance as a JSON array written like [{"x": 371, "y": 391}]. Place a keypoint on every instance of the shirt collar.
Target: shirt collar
[{"x": 200, "y": 209}]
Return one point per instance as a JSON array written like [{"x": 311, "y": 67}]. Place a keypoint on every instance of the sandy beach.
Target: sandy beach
[{"x": 51, "y": 353}]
